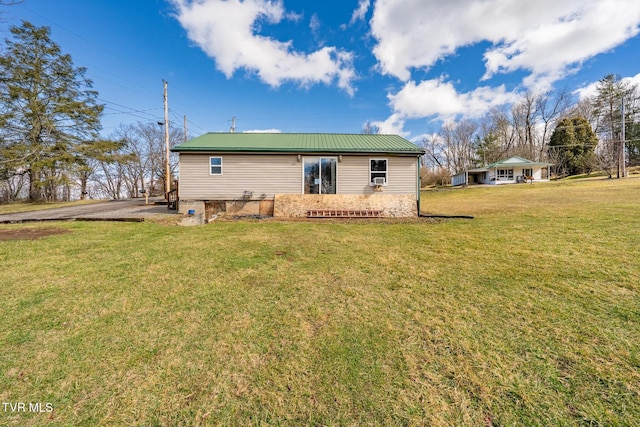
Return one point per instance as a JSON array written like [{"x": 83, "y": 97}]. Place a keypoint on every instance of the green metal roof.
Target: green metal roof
[
  {"x": 299, "y": 143},
  {"x": 516, "y": 161}
]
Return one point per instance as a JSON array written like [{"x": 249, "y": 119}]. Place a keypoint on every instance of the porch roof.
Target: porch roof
[{"x": 511, "y": 162}]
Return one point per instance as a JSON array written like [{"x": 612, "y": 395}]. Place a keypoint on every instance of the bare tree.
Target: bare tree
[
  {"x": 524, "y": 118},
  {"x": 369, "y": 128},
  {"x": 146, "y": 167},
  {"x": 552, "y": 109},
  {"x": 463, "y": 147},
  {"x": 606, "y": 156},
  {"x": 584, "y": 108},
  {"x": 453, "y": 148},
  {"x": 434, "y": 157},
  {"x": 496, "y": 136}
]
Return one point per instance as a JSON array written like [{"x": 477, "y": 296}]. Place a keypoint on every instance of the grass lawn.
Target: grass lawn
[{"x": 527, "y": 315}]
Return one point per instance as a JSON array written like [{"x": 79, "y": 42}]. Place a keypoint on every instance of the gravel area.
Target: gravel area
[{"x": 113, "y": 210}]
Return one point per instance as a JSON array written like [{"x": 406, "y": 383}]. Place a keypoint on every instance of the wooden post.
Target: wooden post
[
  {"x": 185, "y": 128},
  {"x": 167, "y": 174},
  {"x": 623, "y": 154}
]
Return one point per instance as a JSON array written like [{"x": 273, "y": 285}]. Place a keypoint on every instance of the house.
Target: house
[
  {"x": 299, "y": 175},
  {"x": 508, "y": 171}
]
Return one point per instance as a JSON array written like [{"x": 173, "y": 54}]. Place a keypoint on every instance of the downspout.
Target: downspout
[{"x": 418, "y": 182}]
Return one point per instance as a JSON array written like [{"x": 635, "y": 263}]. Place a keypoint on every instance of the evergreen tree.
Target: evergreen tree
[
  {"x": 607, "y": 102},
  {"x": 633, "y": 143},
  {"x": 572, "y": 145},
  {"x": 48, "y": 112}
]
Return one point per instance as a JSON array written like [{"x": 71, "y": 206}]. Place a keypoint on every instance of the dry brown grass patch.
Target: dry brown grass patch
[{"x": 31, "y": 233}]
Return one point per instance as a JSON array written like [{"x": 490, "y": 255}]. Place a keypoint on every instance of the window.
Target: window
[
  {"x": 215, "y": 165},
  {"x": 319, "y": 175},
  {"x": 527, "y": 172},
  {"x": 378, "y": 169},
  {"x": 505, "y": 174}
]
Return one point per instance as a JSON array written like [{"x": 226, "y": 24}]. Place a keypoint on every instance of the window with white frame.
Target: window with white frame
[
  {"x": 378, "y": 168},
  {"x": 505, "y": 174},
  {"x": 215, "y": 165},
  {"x": 527, "y": 172}
]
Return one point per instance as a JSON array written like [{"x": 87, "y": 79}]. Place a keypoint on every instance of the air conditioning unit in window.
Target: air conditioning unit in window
[{"x": 379, "y": 180}]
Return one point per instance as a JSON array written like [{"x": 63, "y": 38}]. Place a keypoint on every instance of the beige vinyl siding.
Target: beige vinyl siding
[
  {"x": 261, "y": 174},
  {"x": 353, "y": 175},
  {"x": 272, "y": 174}
]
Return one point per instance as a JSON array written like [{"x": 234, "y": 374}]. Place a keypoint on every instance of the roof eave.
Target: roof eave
[
  {"x": 505, "y": 165},
  {"x": 293, "y": 151}
]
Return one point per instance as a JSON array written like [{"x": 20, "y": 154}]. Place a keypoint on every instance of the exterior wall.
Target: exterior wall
[
  {"x": 268, "y": 175},
  {"x": 209, "y": 209},
  {"x": 517, "y": 171},
  {"x": 353, "y": 175},
  {"x": 459, "y": 179},
  {"x": 537, "y": 175},
  {"x": 260, "y": 174},
  {"x": 197, "y": 206},
  {"x": 391, "y": 205}
]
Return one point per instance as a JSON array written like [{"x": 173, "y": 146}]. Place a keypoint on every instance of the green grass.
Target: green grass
[
  {"x": 36, "y": 206},
  {"x": 527, "y": 315}
]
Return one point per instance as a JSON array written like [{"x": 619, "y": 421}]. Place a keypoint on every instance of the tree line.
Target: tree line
[
  {"x": 51, "y": 148},
  {"x": 577, "y": 136},
  {"x": 50, "y": 143}
]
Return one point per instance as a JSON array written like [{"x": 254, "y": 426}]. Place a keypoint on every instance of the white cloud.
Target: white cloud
[
  {"x": 314, "y": 24},
  {"x": 586, "y": 91},
  {"x": 394, "y": 125},
  {"x": 546, "y": 37},
  {"x": 440, "y": 100},
  {"x": 262, "y": 131},
  {"x": 228, "y": 32},
  {"x": 360, "y": 12},
  {"x": 590, "y": 90},
  {"x": 634, "y": 80}
]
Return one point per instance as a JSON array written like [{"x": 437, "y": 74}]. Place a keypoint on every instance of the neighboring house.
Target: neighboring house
[
  {"x": 509, "y": 171},
  {"x": 294, "y": 174}
]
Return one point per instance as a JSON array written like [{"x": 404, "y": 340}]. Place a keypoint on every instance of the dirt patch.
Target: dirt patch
[{"x": 31, "y": 233}]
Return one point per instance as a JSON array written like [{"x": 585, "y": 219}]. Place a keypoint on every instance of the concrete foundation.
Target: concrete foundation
[
  {"x": 210, "y": 208},
  {"x": 391, "y": 205},
  {"x": 188, "y": 220},
  {"x": 297, "y": 205},
  {"x": 184, "y": 206}
]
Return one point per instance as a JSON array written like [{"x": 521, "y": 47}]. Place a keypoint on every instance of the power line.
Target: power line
[
  {"x": 111, "y": 53},
  {"x": 180, "y": 117},
  {"x": 88, "y": 41},
  {"x": 129, "y": 112},
  {"x": 195, "y": 125},
  {"x": 132, "y": 111}
]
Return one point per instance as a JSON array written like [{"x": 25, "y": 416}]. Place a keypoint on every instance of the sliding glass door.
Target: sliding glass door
[{"x": 320, "y": 175}]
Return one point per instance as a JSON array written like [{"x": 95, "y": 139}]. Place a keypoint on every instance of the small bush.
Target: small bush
[{"x": 429, "y": 177}]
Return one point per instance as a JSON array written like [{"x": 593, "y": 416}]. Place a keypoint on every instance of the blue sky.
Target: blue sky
[{"x": 323, "y": 66}]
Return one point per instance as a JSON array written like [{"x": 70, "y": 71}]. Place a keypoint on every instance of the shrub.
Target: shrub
[{"x": 429, "y": 177}]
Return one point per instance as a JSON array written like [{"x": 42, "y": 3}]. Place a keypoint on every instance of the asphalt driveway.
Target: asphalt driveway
[{"x": 112, "y": 210}]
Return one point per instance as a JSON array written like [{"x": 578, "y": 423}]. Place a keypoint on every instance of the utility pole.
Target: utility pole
[
  {"x": 167, "y": 174},
  {"x": 233, "y": 125},
  {"x": 185, "y": 128},
  {"x": 623, "y": 155}
]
